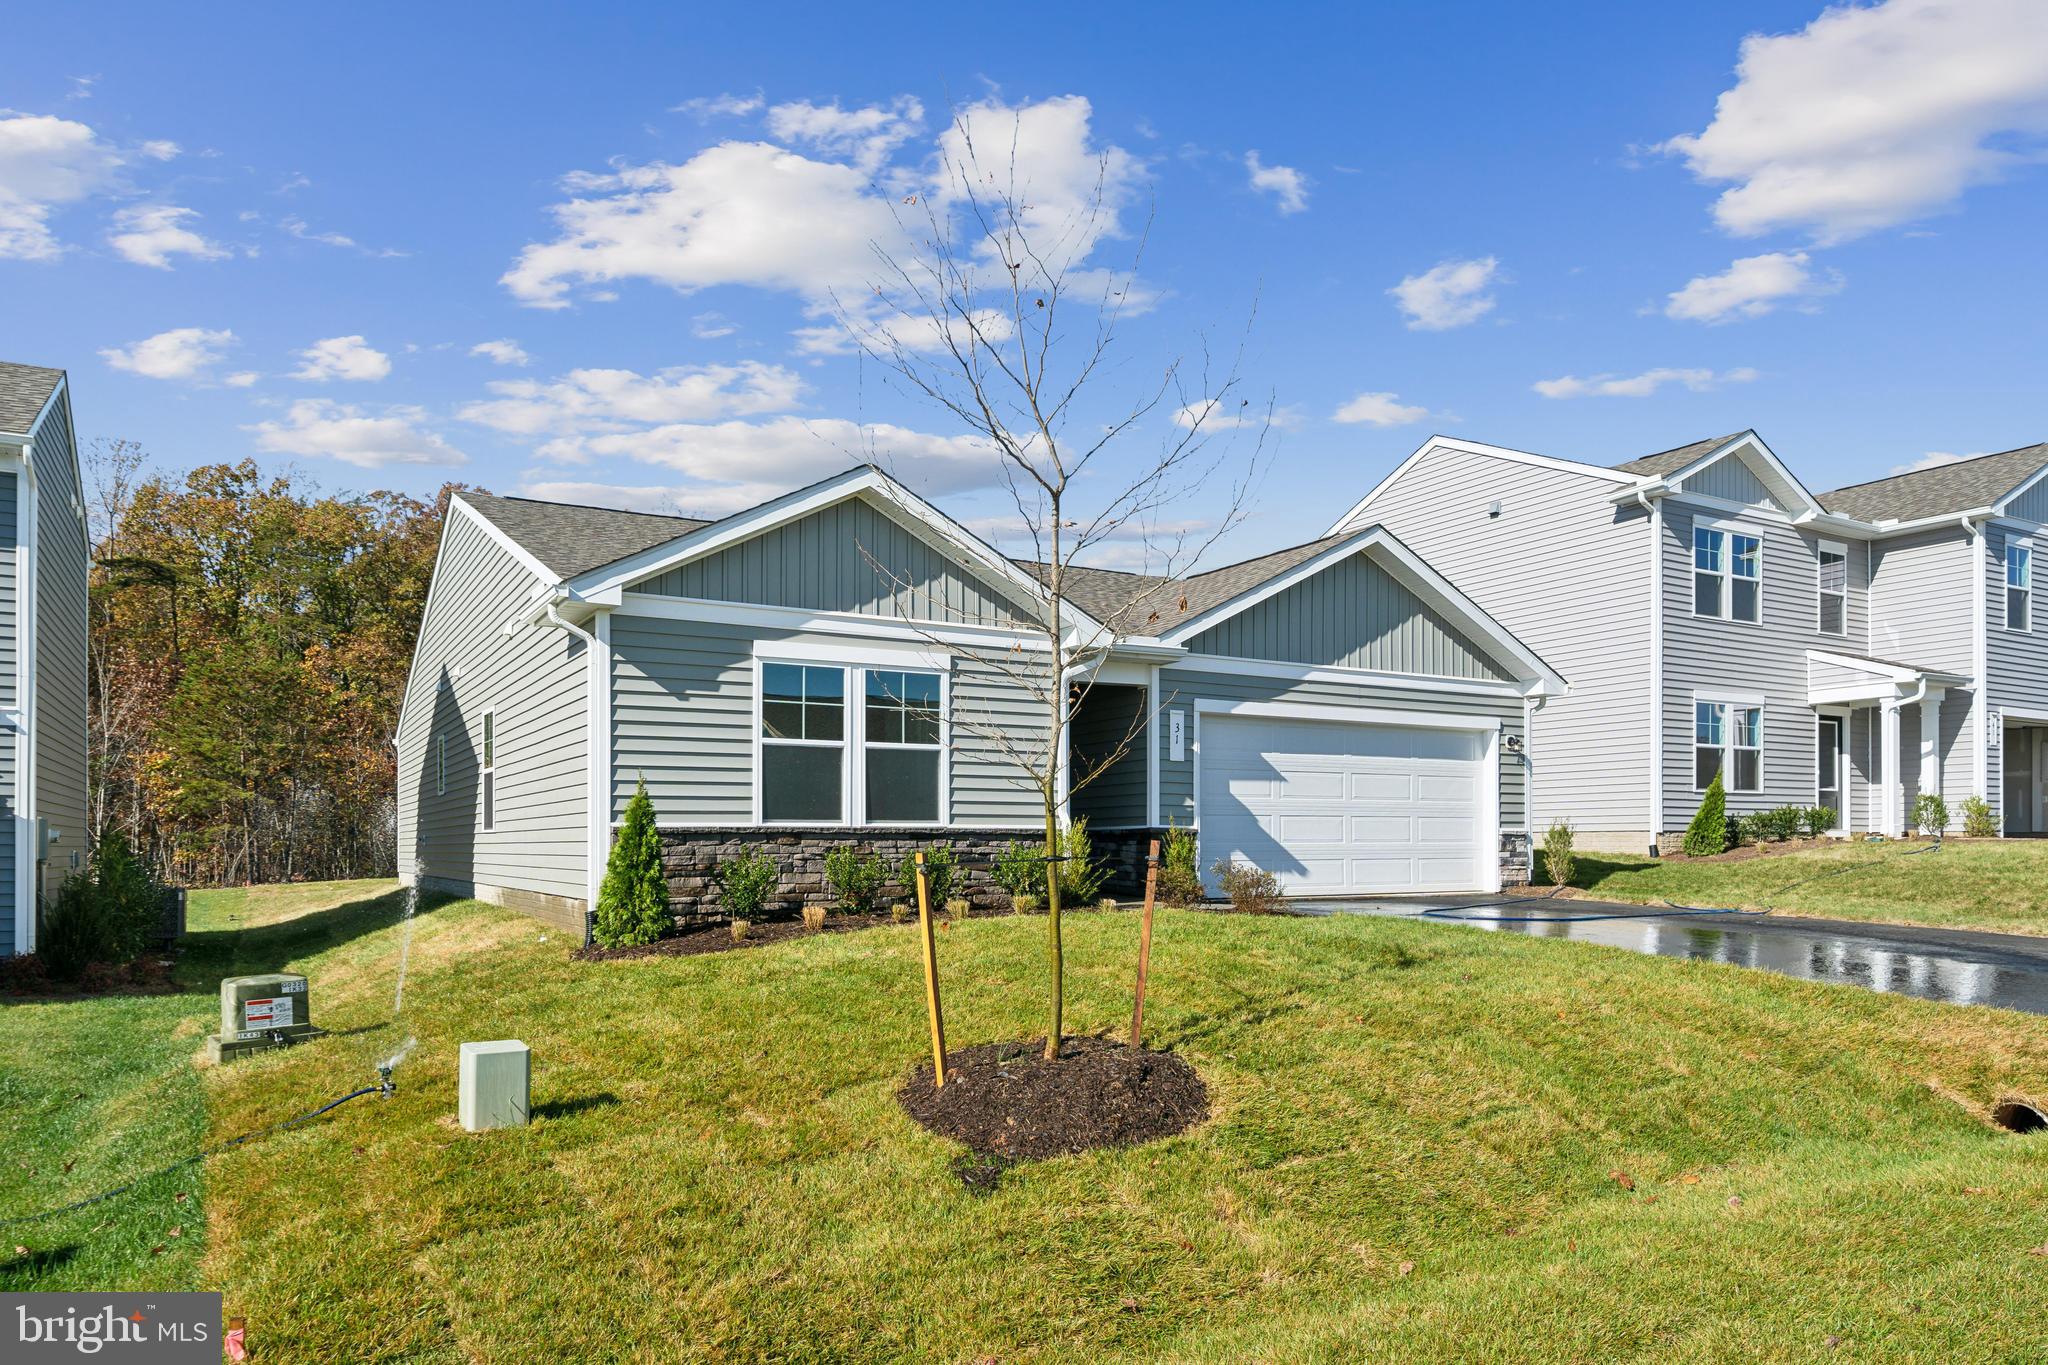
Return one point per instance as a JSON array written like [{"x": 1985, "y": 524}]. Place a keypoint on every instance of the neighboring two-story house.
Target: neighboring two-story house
[
  {"x": 1849, "y": 649},
  {"x": 43, "y": 615}
]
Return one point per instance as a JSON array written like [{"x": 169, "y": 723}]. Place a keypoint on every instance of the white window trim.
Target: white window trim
[
  {"x": 487, "y": 773},
  {"x": 1730, "y": 702},
  {"x": 853, "y": 744},
  {"x": 1844, "y": 762},
  {"x": 2006, "y": 588},
  {"x": 441, "y": 765},
  {"x": 1832, "y": 547},
  {"x": 1727, "y": 530}
]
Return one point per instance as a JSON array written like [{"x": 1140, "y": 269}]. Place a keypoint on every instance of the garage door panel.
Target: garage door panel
[{"x": 1334, "y": 808}]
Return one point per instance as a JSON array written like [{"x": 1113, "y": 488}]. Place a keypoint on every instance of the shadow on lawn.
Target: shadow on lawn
[{"x": 213, "y": 954}]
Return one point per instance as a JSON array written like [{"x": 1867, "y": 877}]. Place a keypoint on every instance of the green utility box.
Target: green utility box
[{"x": 259, "y": 1012}]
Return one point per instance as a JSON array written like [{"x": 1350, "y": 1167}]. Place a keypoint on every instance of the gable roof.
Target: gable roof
[
  {"x": 24, "y": 391},
  {"x": 1111, "y": 595},
  {"x": 1678, "y": 457},
  {"x": 571, "y": 538},
  {"x": 1959, "y": 487}
]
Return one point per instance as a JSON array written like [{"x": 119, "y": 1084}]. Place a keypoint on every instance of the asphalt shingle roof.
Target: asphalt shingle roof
[
  {"x": 23, "y": 391},
  {"x": 1665, "y": 461},
  {"x": 572, "y": 539},
  {"x": 1131, "y": 601},
  {"x": 1956, "y": 487}
]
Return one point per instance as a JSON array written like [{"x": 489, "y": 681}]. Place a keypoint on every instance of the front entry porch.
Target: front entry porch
[{"x": 1878, "y": 738}]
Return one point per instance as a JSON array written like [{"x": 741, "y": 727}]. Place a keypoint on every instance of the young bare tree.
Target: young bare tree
[{"x": 997, "y": 317}]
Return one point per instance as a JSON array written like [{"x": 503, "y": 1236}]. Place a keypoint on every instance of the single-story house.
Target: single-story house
[{"x": 1336, "y": 712}]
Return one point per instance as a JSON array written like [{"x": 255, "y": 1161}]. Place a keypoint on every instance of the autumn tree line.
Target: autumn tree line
[{"x": 249, "y": 646}]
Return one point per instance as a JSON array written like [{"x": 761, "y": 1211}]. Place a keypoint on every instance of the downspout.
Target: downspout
[
  {"x": 1655, "y": 509},
  {"x": 1896, "y": 775},
  {"x": 597, "y": 745}
]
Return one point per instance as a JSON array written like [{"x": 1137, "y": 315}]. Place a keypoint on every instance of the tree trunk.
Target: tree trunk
[{"x": 1054, "y": 956}]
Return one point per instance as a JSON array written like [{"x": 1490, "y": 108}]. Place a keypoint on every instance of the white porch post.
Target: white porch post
[
  {"x": 1930, "y": 742},
  {"x": 1892, "y": 819}
]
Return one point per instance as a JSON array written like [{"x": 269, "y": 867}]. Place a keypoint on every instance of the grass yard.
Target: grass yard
[
  {"x": 1412, "y": 1154},
  {"x": 1997, "y": 884}
]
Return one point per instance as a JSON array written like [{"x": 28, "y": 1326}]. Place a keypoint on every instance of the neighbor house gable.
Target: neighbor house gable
[{"x": 1436, "y": 445}]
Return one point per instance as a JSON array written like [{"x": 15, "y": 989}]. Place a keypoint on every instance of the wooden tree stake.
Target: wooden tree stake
[
  {"x": 931, "y": 977},
  {"x": 1145, "y": 943}
]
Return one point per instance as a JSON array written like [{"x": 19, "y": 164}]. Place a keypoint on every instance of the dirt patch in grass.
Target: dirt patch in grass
[{"x": 1006, "y": 1103}]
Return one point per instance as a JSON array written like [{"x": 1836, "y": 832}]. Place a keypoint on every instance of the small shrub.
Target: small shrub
[
  {"x": 1708, "y": 832},
  {"x": 76, "y": 931},
  {"x": 1817, "y": 821},
  {"x": 1107, "y": 903},
  {"x": 940, "y": 871},
  {"x": 1180, "y": 869},
  {"x": 814, "y": 917},
  {"x": 1025, "y": 904},
  {"x": 1252, "y": 890},
  {"x": 739, "y": 930},
  {"x": 1080, "y": 876},
  {"x": 1783, "y": 823},
  {"x": 1020, "y": 869},
  {"x": 1979, "y": 820},
  {"x": 899, "y": 913},
  {"x": 959, "y": 909},
  {"x": 1559, "y": 862},
  {"x": 745, "y": 882},
  {"x": 858, "y": 876},
  {"x": 632, "y": 902},
  {"x": 130, "y": 901},
  {"x": 1930, "y": 813}
]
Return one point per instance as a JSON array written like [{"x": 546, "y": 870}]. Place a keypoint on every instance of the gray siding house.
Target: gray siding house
[
  {"x": 841, "y": 665},
  {"x": 43, "y": 616},
  {"x": 1850, "y": 649}
]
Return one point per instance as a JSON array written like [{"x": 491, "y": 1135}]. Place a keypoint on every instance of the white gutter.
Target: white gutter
[{"x": 1655, "y": 509}]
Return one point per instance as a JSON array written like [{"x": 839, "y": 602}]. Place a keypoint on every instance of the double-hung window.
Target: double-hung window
[
  {"x": 489, "y": 810},
  {"x": 2019, "y": 586},
  {"x": 887, "y": 768},
  {"x": 1834, "y": 588},
  {"x": 440, "y": 765},
  {"x": 1728, "y": 738},
  {"x": 1727, "y": 574}
]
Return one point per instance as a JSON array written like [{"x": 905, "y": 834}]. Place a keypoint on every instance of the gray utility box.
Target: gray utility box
[
  {"x": 259, "y": 1012},
  {"x": 494, "y": 1080}
]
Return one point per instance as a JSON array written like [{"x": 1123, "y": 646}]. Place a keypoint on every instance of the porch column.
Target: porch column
[
  {"x": 1930, "y": 742},
  {"x": 1891, "y": 818}
]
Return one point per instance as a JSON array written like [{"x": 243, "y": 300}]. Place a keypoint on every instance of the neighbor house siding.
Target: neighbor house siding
[
  {"x": 1353, "y": 614},
  {"x": 1920, "y": 607},
  {"x": 1567, "y": 572},
  {"x": 2016, "y": 660},
  {"x": 10, "y": 697},
  {"x": 683, "y": 720},
  {"x": 1181, "y": 687},
  {"x": 60, "y": 645},
  {"x": 1731, "y": 479},
  {"x": 534, "y": 680},
  {"x": 9, "y": 739},
  {"x": 1768, "y": 659},
  {"x": 850, "y": 557}
]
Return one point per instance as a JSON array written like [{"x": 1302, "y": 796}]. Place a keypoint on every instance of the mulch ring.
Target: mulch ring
[{"x": 1006, "y": 1103}]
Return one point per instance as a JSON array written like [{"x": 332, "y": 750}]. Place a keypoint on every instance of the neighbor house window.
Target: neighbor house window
[
  {"x": 490, "y": 776},
  {"x": 1834, "y": 590},
  {"x": 2019, "y": 587},
  {"x": 803, "y": 743},
  {"x": 1728, "y": 739},
  {"x": 901, "y": 747},
  {"x": 440, "y": 765},
  {"x": 1727, "y": 574}
]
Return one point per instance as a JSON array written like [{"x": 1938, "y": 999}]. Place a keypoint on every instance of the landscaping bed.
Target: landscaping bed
[{"x": 717, "y": 938}]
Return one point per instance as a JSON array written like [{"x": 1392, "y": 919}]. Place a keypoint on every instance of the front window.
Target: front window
[
  {"x": 901, "y": 750},
  {"x": 1834, "y": 591},
  {"x": 1709, "y": 741},
  {"x": 1747, "y": 738},
  {"x": 1709, "y": 555},
  {"x": 1727, "y": 574},
  {"x": 2019, "y": 587},
  {"x": 803, "y": 744},
  {"x": 1728, "y": 739}
]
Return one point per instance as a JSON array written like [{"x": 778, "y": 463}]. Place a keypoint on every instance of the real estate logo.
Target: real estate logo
[{"x": 161, "y": 1329}]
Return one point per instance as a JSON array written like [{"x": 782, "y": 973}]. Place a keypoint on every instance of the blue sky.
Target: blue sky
[{"x": 282, "y": 233}]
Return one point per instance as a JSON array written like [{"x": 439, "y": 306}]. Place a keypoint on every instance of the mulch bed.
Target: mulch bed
[
  {"x": 1744, "y": 852},
  {"x": 27, "y": 978},
  {"x": 718, "y": 938},
  {"x": 1006, "y": 1103}
]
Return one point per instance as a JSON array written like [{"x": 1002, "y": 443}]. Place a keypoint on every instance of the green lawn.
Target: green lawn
[
  {"x": 1970, "y": 884},
  {"x": 1410, "y": 1157}
]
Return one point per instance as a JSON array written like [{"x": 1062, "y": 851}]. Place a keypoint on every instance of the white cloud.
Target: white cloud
[
  {"x": 1379, "y": 410},
  {"x": 1288, "y": 186},
  {"x": 1640, "y": 385},
  {"x": 1933, "y": 459},
  {"x": 241, "y": 379},
  {"x": 1212, "y": 416},
  {"x": 1044, "y": 154},
  {"x": 609, "y": 400},
  {"x": 161, "y": 149},
  {"x": 81, "y": 87},
  {"x": 720, "y": 106},
  {"x": 151, "y": 234},
  {"x": 317, "y": 427},
  {"x": 504, "y": 351},
  {"x": 45, "y": 163},
  {"x": 1874, "y": 115},
  {"x": 1750, "y": 287},
  {"x": 867, "y": 136},
  {"x": 711, "y": 326},
  {"x": 181, "y": 353},
  {"x": 349, "y": 358},
  {"x": 1450, "y": 294},
  {"x": 298, "y": 227}
]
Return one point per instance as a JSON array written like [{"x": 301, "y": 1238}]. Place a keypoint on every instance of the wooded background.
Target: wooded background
[{"x": 250, "y": 640}]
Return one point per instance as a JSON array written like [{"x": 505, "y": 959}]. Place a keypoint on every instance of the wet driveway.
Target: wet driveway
[{"x": 1959, "y": 967}]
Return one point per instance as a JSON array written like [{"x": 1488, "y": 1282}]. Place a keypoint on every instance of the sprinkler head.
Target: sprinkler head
[{"x": 386, "y": 1087}]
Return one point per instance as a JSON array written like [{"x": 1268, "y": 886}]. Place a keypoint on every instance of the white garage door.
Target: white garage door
[{"x": 1337, "y": 808}]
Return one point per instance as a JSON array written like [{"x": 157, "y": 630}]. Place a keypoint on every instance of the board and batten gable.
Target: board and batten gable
[
  {"x": 60, "y": 599},
  {"x": 533, "y": 681},
  {"x": 1732, "y": 480},
  {"x": 1568, "y": 573},
  {"x": 2031, "y": 505},
  {"x": 850, "y": 557},
  {"x": 1767, "y": 658},
  {"x": 1350, "y": 614}
]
